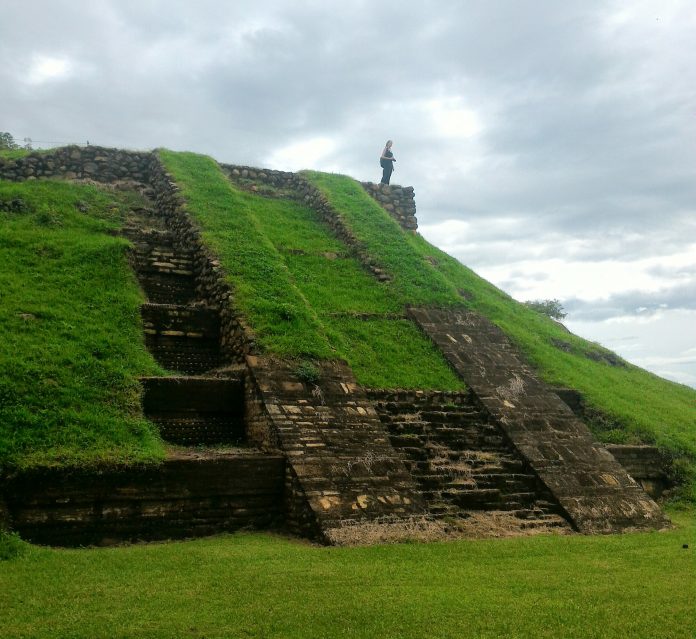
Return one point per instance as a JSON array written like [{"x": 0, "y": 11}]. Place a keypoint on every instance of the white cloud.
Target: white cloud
[
  {"x": 48, "y": 69},
  {"x": 301, "y": 155},
  {"x": 451, "y": 119},
  {"x": 664, "y": 343}
]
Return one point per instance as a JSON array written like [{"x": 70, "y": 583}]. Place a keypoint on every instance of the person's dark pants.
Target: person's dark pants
[{"x": 386, "y": 173}]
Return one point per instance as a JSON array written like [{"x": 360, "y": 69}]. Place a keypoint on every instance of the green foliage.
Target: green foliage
[
  {"x": 550, "y": 308},
  {"x": 415, "y": 280},
  {"x": 281, "y": 318},
  {"x": 72, "y": 346},
  {"x": 7, "y": 142},
  {"x": 11, "y": 546},
  {"x": 596, "y": 587},
  {"x": 308, "y": 372},
  {"x": 391, "y": 353}
]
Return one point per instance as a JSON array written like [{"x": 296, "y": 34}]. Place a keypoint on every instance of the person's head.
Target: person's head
[{"x": 388, "y": 145}]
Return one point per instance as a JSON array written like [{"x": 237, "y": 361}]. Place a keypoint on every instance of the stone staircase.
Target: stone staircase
[
  {"x": 197, "y": 406},
  {"x": 463, "y": 463},
  {"x": 182, "y": 338}
]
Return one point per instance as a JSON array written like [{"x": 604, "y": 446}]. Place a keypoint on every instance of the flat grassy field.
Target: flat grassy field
[
  {"x": 259, "y": 585},
  {"x": 72, "y": 346}
]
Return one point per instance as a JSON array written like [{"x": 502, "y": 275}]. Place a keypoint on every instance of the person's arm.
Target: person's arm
[{"x": 386, "y": 157}]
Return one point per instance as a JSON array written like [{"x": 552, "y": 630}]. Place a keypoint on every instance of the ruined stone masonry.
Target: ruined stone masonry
[
  {"x": 593, "y": 489},
  {"x": 252, "y": 444}
]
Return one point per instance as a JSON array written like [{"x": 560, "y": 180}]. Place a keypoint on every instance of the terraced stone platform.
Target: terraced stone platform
[
  {"x": 191, "y": 494},
  {"x": 339, "y": 463}
]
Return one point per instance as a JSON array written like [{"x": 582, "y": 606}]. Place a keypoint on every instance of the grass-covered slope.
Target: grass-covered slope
[
  {"x": 302, "y": 292},
  {"x": 641, "y": 405},
  {"x": 72, "y": 345}
]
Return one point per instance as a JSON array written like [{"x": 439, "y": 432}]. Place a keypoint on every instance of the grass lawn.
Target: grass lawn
[
  {"x": 259, "y": 585},
  {"x": 72, "y": 346}
]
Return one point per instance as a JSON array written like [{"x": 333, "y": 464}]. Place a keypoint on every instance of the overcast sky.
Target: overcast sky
[{"x": 552, "y": 145}]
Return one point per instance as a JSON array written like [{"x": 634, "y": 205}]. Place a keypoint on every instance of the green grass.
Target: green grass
[
  {"x": 414, "y": 278},
  {"x": 282, "y": 320},
  {"x": 72, "y": 345},
  {"x": 14, "y": 154},
  {"x": 258, "y": 585},
  {"x": 639, "y": 405},
  {"x": 278, "y": 254}
]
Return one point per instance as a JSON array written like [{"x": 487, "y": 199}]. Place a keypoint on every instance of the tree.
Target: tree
[
  {"x": 552, "y": 308},
  {"x": 7, "y": 141}
]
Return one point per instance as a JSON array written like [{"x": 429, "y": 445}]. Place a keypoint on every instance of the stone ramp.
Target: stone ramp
[
  {"x": 342, "y": 466},
  {"x": 594, "y": 490}
]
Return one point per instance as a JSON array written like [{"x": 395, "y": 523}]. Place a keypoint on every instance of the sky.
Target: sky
[{"x": 551, "y": 145}]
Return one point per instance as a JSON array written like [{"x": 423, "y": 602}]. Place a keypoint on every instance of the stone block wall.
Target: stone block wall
[
  {"x": 186, "y": 496},
  {"x": 646, "y": 464},
  {"x": 462, "y": 459},
  {"x": 74, "y": 162},
  {"x": 398, "y": 200}
]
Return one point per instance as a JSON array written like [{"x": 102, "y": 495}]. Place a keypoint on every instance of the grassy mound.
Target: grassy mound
[
  {"x": 74, "y": 349},
  {"x": 302, "y": 291},
  {"x": 635, "y": 405},
  {"x": 72, "y": 345}
]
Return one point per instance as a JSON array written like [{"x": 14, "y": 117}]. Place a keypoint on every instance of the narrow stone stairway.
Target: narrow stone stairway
[
  {"x": 197, "y": 406},
  {"x": 464, "y": 465}
]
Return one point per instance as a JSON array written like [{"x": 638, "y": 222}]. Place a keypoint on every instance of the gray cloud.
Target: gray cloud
[{"x": 633, "y": 303}]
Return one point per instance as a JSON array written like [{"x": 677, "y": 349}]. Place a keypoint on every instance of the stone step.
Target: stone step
[
  {"x": 201, "y": 394},
  {"x": 192, "y": 411},
  {"x": 143, "y": 237},
  {"x": 505, "y": 482},
  {"x": 469, "y": 498},
  {"x": 162, "y": 288},
  {"x": 200, "y": 429},
  {"x": 163, "y": 261},
  {"x": 475, "y": 439},
  {"x": 176, "y": 320},
  {"x": 430, "y": 414},
  {"x": 476, "y": 427},
  {"x": 185, "y": 339},
  {"x": 185, "y": 355}
]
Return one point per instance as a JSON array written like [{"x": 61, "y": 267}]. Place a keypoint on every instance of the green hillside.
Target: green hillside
[
  {"x": 74, "y": 346},
  {"x": 325, "y": 296},
  {"x": 304, "y": 293}
]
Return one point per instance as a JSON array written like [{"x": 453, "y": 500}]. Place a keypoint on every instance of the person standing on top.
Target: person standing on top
[{"x": 386, "y": 161}]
